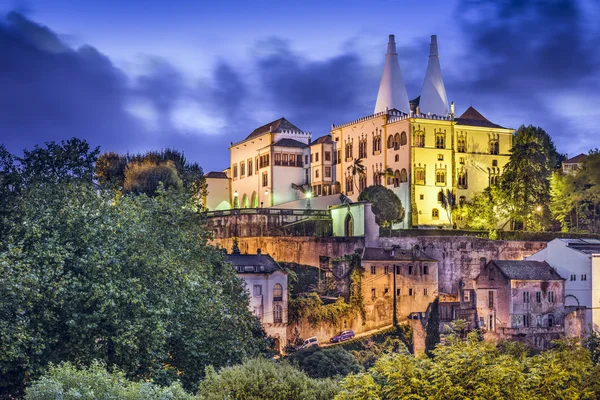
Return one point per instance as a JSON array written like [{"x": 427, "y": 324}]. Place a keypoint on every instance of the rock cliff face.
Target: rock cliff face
[{"x": 458, "y": 256}]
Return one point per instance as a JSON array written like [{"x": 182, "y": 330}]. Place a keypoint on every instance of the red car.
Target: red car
[{"x": 342, "y": 336}]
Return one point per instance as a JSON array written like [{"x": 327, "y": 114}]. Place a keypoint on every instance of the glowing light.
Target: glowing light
[
  {"x": 308, "y": 195},
  {"x": 235, "y": 194},
  {"x": 266, "y": 192}
]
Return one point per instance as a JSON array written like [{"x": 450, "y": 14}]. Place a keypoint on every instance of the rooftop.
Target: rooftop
[
  {"x": 253, "y": 263},
  {"x": 527, "y": 270},
  {"x": 576, "y": 160},
  {"x": 278, "y": 125},
  {"x": 323, "y": 139},
  {"x": 395, "y": 254},
  {"x": 472, "y": 117},
  {"x": 289, "y": 143},
  {"x": 586, "y": 246},
  {"x": 217, "y": 175}
]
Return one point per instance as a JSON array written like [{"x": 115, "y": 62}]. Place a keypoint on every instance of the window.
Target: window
[
  {"x": 440, "y": 157},
  {"x": 397, "y": 269},
  {"x": 461, "y": 160},
  {"x": 348, "y": 150},
  {"x": 373, "y": 269},
  {"x": 327, "y": 156},
  {"x": 538, "y": 297},
  {"x": 316, "y": 157},
  {"x": 396, "y": 141},
  {"x": 396, "y": 158},
  {"x": 441, "y": 196},
  {"x": 390, "y": 142},
  {"x": 256, "y": 164},
  {"x": 525, "y": 297},
  {"x": 258, "y": 290},
  {"x": 362, "y": 182},
  {"x": 376, "y": 143},
  {"x": 462, "y": 182},
  {"x": 410, "y": 292},
  {"x": 397, "y": 177},
  {"x": 491, "y": 322},
  {"x": 410, "y": 269},
  {"x": 551, "y": 297},
  {"x": 490, "y": 301},
  {"x": 277, "y": 292},
  {"x": 235, "y": 171},
  {"x": 403, "y": 176},
  {"x": 265, "y": 179},
  {"x": 264, "y": 161},
  {"x": 349, "y": 184},
  {"x": 285, "y": 159},
  {"x": 494, "y": 163},
  {"x": 277, "y": 314},
  {"x": 397, "y": 292},
  {"x": 312, "y": 157},
  {"x": 550, "y": 320},
  {"x": 440, "y": 140},
  {"x": 421, "y": 197},
  {"x": 420, "y": 139},
  {"x": 242, "y": 169},
  {"x": 373, "y": 294},
  {"x": 299, "y": 160},
  {"x": 327, "y": 172},
  {"x": 526, "y": 320},
  {"x": 420, "y": 175},
  {"x": 573, "y": 277},
  {"x": 425, "y": 292},
  {"x": 425, "y": 270},
  {"x": 386, "y": 269},
  {"x": 461, "y": 145},
  {"x": 362, "y": 148},
  {"x": 583, "y": 277},
  {"x": 466, "y": 295},
  {"x": 494, "y": 146},
  {"x": 250, "y": 168},
  {"x": 462, "y": 200},
  {"x": 440, "y": 177},
  {"x": 306, "y": 159},
  {"x": 317, "y": 173},
  {"x": 435, "y": 213},
  {"x": 277, "y": 159},
  {"x": 403, "y": 140}
]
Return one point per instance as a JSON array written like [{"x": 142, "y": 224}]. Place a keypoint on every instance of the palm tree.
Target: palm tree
[
  {"x": 388, "y": 173},
  {"x": 357, "y": 168}
]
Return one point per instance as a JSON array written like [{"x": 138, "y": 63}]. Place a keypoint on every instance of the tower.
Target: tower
[
  {"x": 392, "y": 91},
  {"x": 433, "y": 94}
]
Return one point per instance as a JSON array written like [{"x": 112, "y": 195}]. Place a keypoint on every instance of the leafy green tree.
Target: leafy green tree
[
  {"x": 146, "y": 177},
  {"x": 264, "y": 379},
  {"x": 482, "y": 212},
  {"x": 387, "y": 207},
  {"x": 67, "y": 382},
  {"x": 129, "y": 280},
  {"x": 526, "y": 177},
  {"x": 432, "y": 337},
  {"x": 325, "y": 363}
]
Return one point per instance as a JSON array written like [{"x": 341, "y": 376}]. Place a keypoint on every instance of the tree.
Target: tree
[
  {"x": 356, "y": 169},
  {"x": 526, "y": 177},
  {"x": 432, "y": 337},
  {"x": 128, "y": 280},
  {"x": 146, "y": 177},
  {"x": 264, "y": 379},
  {"x": 65, "y": 381},
  {"x": 110, "y": 169},
  {"x": 448, "y": 202},
  {"x": 482, "y": 212},
  {"x": 387, "y": 207},
  {"x": 325, "y": 363}
]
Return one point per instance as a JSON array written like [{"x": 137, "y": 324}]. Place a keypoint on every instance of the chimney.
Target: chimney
[
  {"x": 392, "y": 90},
  {"x": 433, "y": 94}
]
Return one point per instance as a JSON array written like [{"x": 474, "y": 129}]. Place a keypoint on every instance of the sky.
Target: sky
[{"x": 131, "y": 76}]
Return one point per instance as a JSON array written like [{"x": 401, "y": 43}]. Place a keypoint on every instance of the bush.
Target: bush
[
  {"x": 325, "y": 363},
  {"x": 264, "y": 379},
  {"x": 67, "y": 382}
]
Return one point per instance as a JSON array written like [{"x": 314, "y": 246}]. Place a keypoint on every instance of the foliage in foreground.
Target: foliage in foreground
[
  {"x": 264, "y": 379},
  {"x": 325, "y": 363},
  {"x": 472, "y": 369},
  {"x": 130, "y": 281},
  {"x": 67, "y": 382}
]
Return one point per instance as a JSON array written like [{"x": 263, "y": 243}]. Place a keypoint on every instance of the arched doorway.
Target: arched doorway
[
  {"x": 245, "y": 203},
  {"x": 349, "y": 225},
  {"x": 254, "y": 200},
  {"x": 236, "y": 202}
]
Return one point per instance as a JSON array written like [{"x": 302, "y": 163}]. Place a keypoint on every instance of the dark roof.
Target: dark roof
[
  {"x": 472, "y": 117},
  {"x": 278, "y": 125},
  {"x": 323, "y": 139},
  {"x": 379, "y": 254},
  {"x": 576, "y": 160},
  {"x": 214, "y": 174},
  {"x": 527, "y": 270},
  {"x": 289, "y": 143},
  {"x": 252, "y": 263},
  {"x": 586, "y": 246}
]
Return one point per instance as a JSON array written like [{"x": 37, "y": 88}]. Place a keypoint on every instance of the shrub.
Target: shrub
[{"x": 325, "y": 363}]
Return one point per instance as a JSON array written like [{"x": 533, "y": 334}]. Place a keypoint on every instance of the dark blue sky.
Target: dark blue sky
[{"x": 138, "y": 75}]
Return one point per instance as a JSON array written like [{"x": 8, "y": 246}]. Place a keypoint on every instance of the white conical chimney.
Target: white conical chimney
[
  {"x": 433, "y": 94},
  {"x": 392, "y": 91}
]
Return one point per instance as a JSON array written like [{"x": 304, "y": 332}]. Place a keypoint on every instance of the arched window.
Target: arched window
[
  {"x": 245, "y": 202},
  {"x": 420, "y": 139},
  {"x": 349, "y": 225},
  {"x": 390, "y": 143},
  {"x": 397, "y": 158},
  {"x": 236, "y": 202},
  {"x": 461, "y": 145},
  {"x": 254, "y": 198},
  {"x": 349, "y": 184},
  {"x": 403, "y": 140},
  {"x": 441, "y": 196},
  {"x": 397, "y": 176},
  {"x": 440, "y": 140},
  {"x": 277, "y": 292},
  {"x": 435, "y": 213},
  {"x": 396, "y": 141},
  {"x": 403, "y": 175},
  {"x": 277, "y": 314},
  {"x": 376, "y": 178},
  {"x": 462, "y": 181},
  {"x": 440, "y": 177},
  {"x": 362, "y": 182}
]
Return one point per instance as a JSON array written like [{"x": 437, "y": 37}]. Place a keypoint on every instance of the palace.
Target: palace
[{"x": 419, "y": 149}]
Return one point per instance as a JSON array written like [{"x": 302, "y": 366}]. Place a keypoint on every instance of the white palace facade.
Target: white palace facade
[{"x": 419, "y": 149}]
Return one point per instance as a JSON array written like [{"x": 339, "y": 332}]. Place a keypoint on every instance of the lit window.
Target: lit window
[{"x": 435, "y": 213}]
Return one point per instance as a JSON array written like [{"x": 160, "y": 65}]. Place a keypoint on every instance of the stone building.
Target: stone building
[
  {"x": 267, "y": 285},
  {"x": 520, "y": 300},
  {"x": 416, "y": 285},
  {"x": 576, "y": 260}
]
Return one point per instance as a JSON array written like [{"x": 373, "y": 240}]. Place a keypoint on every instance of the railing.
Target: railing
[{"x": 267, "y": 211}]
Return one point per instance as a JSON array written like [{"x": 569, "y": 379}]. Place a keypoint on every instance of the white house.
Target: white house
[
  {"x": 267, "y": 284},
  {"x": 576, "y": 260}
]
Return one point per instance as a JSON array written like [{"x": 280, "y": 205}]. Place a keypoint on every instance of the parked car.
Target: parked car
[
  {"x": 311, "y": 341},
  {"x": 342, "y": 336}
]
